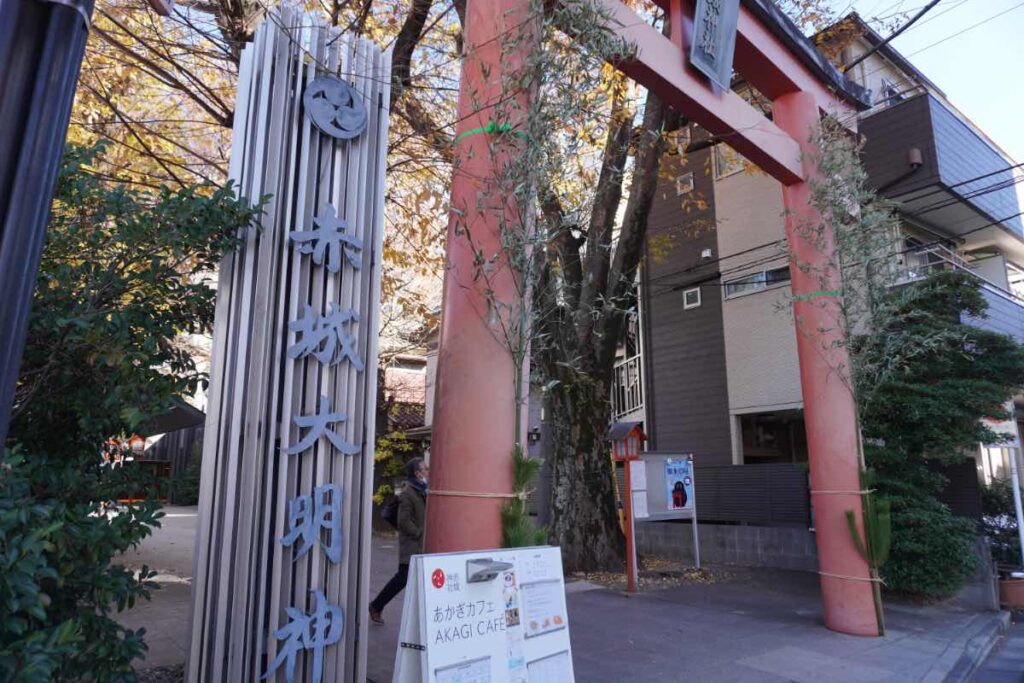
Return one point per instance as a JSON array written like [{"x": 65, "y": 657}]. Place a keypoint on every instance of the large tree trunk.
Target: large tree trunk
[{"x": 584, "y": 521}]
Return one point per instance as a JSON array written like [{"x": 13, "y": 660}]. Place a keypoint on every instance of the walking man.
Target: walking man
[{"x": 412, "y": 507}]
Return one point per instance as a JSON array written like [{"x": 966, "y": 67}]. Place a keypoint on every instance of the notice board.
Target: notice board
[
  {"x": 512, "y": 628},
  {"x": 669, "y": 492},
  {"x": 670, "y": 486}
]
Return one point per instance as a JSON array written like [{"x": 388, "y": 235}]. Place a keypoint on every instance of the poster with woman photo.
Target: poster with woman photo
[{"x": 679, "y": 484}]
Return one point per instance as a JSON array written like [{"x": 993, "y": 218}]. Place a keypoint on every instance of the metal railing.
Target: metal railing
[
  {"x": 627, "y": 387},
  {"x": 922, "y": 261}
]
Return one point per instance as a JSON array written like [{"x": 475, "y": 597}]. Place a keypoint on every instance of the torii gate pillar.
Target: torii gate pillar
[
  {"x": 475, "y": 404},
  {"x": 474, "y": 417},
  {"x": 830, "y": 420}
]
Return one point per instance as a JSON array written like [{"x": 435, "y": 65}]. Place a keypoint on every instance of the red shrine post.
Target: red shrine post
[
  {"x": 474, "y": 417},
  {"x": 627, "y": 440},
  {"x": 473, "y": 424}
]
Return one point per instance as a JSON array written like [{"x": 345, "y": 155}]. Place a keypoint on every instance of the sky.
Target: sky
[{"x": 979, "y": 69}]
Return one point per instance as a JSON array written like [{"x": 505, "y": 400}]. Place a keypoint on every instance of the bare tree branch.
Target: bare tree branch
[
  {"x": 634, "y": 225},
  {"x": 608, "y": 194},
  {"x": 406, "y": 42},
  {"x": 237, "y": 20},
  {"x": 426, "y": 127},
  {"x": 161, "y": 53},
  {"x": 223, "y": 116}
]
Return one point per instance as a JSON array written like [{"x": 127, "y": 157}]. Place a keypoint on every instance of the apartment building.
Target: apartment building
[{"x": 720, "y": 377}]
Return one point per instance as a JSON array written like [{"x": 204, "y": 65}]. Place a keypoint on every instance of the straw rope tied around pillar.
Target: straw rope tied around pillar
[
  {"x": 853, "y": 578},
  {"x": 476, "y": 494}
]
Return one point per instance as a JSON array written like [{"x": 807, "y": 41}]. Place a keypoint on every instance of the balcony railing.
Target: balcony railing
[
  {"x": 923, "y": 261},
  {"x": 920, "y": 262},
  {"x": 627, "y": 388}
]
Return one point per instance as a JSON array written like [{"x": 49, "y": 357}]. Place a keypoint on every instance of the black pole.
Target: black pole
[{"x": 41, "y": 48}]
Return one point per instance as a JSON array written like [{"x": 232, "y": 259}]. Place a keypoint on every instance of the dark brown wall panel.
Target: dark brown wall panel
[
  {"x": 889, "y": 135},
  {"x": 688, "y": 400}
]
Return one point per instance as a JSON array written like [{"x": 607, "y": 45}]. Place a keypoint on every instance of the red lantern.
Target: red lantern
[
  {"x": 627, "y": 440},
  {"x": 137, "y": 444}
]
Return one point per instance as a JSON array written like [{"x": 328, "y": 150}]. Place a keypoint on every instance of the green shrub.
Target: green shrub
[
  {"x": 123, "y": 275},
  {"x": 517, "y": 529},
  {"x": 999, "y": 522},
  {"x": 932, "y": 552},
  {"x": 925, "y": 380},
  {"x": 58, "y": 584},
  {"x": 185, "y": 486}
]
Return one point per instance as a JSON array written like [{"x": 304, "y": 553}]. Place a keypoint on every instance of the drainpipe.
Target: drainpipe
[
  {"x": 644, "y": 356},
  {"x": 1015, "y": 481},
  {"x": 915, "y": 160}
]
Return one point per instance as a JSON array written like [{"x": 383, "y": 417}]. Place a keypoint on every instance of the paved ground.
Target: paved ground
[
  {"x": 1006, "y": 663},
  {"x": 169, "y": 551},
  {"x": 753, "y": 626}
]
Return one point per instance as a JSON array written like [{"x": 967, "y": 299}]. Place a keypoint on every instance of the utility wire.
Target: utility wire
[
  {"x": 895, "y": 33},
  {"x": 774, "y": 257},
  {"x": 954, "y": 35},
  {"x": 675, "y": 287},
  {"x": 927, "y": 209},
  {"x": 973, "y": 194},
  {"x": 970, "y": 180},
  {"x": 969, "y": 28}
]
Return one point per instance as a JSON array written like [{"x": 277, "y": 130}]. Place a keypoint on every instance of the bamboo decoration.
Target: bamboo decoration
[{"x": 874, "y": 547}]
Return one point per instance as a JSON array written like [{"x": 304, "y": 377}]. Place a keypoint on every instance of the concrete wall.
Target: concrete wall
[
  {"x": 760, "y": 339},
  {"x": 751, "y": 546},
  {"x": 782, "y": 548},
  {"x": 993, "y": 269}
]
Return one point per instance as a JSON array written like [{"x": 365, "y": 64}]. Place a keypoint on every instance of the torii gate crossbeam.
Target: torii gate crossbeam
[{"x": 473, "y": 437}]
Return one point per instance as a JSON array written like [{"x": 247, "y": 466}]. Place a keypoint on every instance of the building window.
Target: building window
[
  {"x": 727, "y": 160},
  {"x": 773, "y": 437},
  {"x": 1015, "y": 278},
  {"x": 410, "y": 364},
  {"x": 684, "y": 184},
  {"x": 682, "y": 140},
  {"x": 691, "y": 298},
  {"x": 776, "y": 275},
  {"x": 996, "y": 462},
  {"x": 891, "y": 93},
  {"x": 756, "y": 282}
]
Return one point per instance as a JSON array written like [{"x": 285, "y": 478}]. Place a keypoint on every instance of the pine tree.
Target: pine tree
[{"x": 925, "y": 379}]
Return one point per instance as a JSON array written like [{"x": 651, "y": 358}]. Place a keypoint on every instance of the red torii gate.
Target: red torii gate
[{"x": 474, "y": 417}]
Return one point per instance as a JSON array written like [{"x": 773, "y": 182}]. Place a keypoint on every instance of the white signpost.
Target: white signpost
[
  {"x": 282, "y": 548},
  {"x": 489, "y": 616}
]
